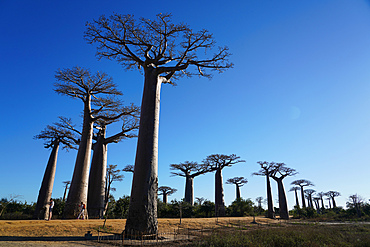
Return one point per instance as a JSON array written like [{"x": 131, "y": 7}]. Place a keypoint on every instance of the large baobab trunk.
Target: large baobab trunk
[
  {"x": 79, "y": 184},
  {"x": 98, "y": 171},
  {"x": 303, "y": 200},
  {"x": 47, "y": 184},
  {"x": 283, "y": 205},
  {"x": 189, "y": 190},
  {"x": 270, "y": 206},
  {"x": 142, "y": 215},
  {"x": 334, "y": 204},
  {"x": 219, "y": 194},
  {"x": 237, "y": 191},
  {"x": 165, "y": 198}
]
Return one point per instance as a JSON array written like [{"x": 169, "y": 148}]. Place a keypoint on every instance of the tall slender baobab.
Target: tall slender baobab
[
  {"x": 321, "y": 196},
  {"x": 295, "y": 188},
  {"x": 97, "y": 179},
  {"x": 163, "y": 51},
  {"x": 217, "y": 162},
  {"x": 166, "y": 191},
  {"x": 302, "y": 183},
  {"x": 97, "y": 92},
  {"x": 280, "y": 172},
  {"x": 239, "y": 182},
  {"x": 309, "y": 193},
  {"x": 189, "y": 170},
  {"x": 66, "y": 186},
  {"x": 266, "y": 170},
  {"x": 54, "y": 136},
  {"x": 332, "y": 194}
]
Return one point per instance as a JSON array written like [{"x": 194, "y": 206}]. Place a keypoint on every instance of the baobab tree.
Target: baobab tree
[
  {"x": 266, "y": 170},
  {"x": 332, "y": 194},
  {"x": 97, "y": 179},
  {"x": 302, "y": 183},
  {"x": 239, "y": 182},
  {"x": 66, "y": 186},
  {"x": 317, "y": 202},
  {"x": 309, "y": 193},
  {"x": 217, "y": 162},
  {"x": 164, "y": 51},
  {"x": 53, "y": 136},
  {"x": 166, "y": 191},
  {"x": 280, "y": 171},
  {"x": 355, "y": 201},
  {"x": 295, "y": 188},
  {"x": 189, "y": 170},
  {"x": 200, "y": 200},
  {"x": 321, "y": 195},
  {"x": 98, "y": 94}
]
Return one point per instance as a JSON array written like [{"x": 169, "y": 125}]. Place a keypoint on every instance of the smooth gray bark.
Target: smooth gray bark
[
  {"x": 270, "y": 205},
  {"x": 142, "y": 215},
  {"x": 98, "y": 171},
  {"x": 237, "y": 191},
  {"x": 296, "y": 198},
  {"x": 189, "y": 190},
  {"x": 79, "y": 184},
  {"x": 283, "y": 205},
  {"x": 165, "y": 198},
  {"x": 47, "y": 185},
  {"x": 219, "y": 194},
  {"x": 302, "y": 195}
]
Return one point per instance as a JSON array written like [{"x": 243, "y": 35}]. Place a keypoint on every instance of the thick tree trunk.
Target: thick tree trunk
[
  {"x": 296, "y": 198},
  {"x": 79, "y": 184},
  {"x": 311, "y": 203},
  {"x": 47, "y": 185},
  {"x": 98, "y": 171},
  {"x": 334, "y": 204},
  {"x": 189, "y": 190},
  {"x": 283, "y": 205},
  {"x": 219, "y": 194},
  {"x": 303, "y": 200},
  {"x": 142, "y": 215},
  {"x": 237, "y": 191},
  {"x": 329, "y": 204},
  {"x": 165, "y": 198},
  {"x": 270, "y": 205}
]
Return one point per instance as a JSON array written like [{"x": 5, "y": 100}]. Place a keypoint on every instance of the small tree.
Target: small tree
[
  {"x": 113, "y": 174},
  {"x": 280, "y": 172},
  {"x": 217, "y": 162},
  {"x": 332, "y": 194},
  {"x": 54, "y": 136},
  {"x": 189, "y": 170},
  {"x": 166, "y": 191},
  {"x": 163, "y": 51},
  {"x": 355, "y": 201},
  {"x": 200, "y": 200},
  {"x": 239, "y": 182},
  {"x": 266, "y": 170},
  {"x": 302, "y": 183}
]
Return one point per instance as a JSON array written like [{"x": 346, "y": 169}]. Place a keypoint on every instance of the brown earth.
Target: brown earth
[{"x": 72, "y": 232}]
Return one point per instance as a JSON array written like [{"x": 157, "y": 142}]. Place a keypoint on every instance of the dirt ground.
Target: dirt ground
[{"x": 60, "y": 233}]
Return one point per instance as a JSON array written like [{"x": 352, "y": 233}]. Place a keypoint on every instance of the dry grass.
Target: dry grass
[{"x": 59, "y": 228}]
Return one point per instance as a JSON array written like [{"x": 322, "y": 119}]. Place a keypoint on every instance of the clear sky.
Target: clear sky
[{"x": 298, "y": 93}]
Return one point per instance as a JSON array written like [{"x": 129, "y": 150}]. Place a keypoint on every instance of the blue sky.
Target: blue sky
[{"x": 298, "y": 93}]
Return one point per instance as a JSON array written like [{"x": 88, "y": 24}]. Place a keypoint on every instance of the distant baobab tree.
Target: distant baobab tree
[
  {"x": 280, "y": 171},
  {"x": 239, "y": 182},
  {"x": 217, "y": 162},
  {"x": 266, "y": 170},
  {"x": 302, "y": 183},
  {"x": 53, "y": 136},
  {"x": 163, "y": 51},
  {"x": 309, "y": 193},
  {"x": 332, "y": 194},
  {"x": 199, "y": 200},
  {"x": 98, "y": 94},
  {"x": 316, "y": 200},
  {"x": 259, "y": 201},
  {"x": 189, "y": 170},
  {"x": 295, "y": 188},
  {"x": 66, "y": 186},
  {"x": 355, "y": 201},
  {"x": 321, "y": 195},
  {"x": 329, "y": 200},
  {"x": 166, "y": 191},
  {"x": 97, "y": 178}
]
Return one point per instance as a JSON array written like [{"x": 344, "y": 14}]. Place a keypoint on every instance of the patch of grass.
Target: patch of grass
[{"x": 299, "y": 235}]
